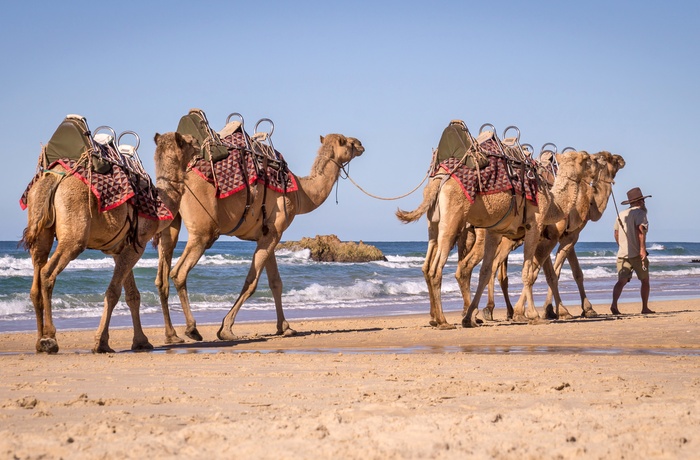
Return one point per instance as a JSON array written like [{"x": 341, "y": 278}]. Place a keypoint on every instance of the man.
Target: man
[{"x": 630, "y": 233}]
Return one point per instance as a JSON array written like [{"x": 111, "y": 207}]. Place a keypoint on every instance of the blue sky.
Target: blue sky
[{"x": 616, "y": 76}]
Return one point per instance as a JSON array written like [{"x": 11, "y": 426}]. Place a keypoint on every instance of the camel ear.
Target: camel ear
[
  {"x": 321, "y": 139},
  {"x": 156, "y": 137},
  {"x": 179, "y": 140},
  {"x": 342, "y": 140}
]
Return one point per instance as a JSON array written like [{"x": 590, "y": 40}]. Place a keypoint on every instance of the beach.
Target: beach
[{"x": 369, "y": 387}]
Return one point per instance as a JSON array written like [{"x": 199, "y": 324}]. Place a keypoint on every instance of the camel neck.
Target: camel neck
[{"x": 315, "y": 188}]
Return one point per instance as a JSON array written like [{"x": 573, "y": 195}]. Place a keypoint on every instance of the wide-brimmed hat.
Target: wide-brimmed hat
[{"x": 635, "y": 194}]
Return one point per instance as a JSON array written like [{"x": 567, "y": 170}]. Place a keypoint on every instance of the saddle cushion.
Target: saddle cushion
[
  {"x": 238, "y": 170},
  {"x": 493, "y": 178},
  {"x": 111, "y": 190}
]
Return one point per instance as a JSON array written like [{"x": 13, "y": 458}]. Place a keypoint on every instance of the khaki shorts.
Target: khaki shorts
[{"x": 625, "y": 267}]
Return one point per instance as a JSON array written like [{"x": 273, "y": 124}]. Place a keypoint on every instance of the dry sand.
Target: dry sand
[{"x": 611, "y": 387}]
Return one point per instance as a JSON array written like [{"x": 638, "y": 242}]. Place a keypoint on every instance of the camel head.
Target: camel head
[
  {"x": 174, "y": 152},
  {"x": 610, "y": 165},
  {"x": 340, "y": 149},
  {"x": 573, "y": 165}
]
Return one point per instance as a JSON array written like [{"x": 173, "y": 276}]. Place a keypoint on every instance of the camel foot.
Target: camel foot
[
  {"x": 102, "y": 348},
  {"x": 487, "y": 313},
  {"x": 566, "y": 315},
  {"x": 142, "y": 346},
  {"x": 549, "y": 312},
  {"x": 615, "y": 311},
  {"x": 433, "y": 323},
  {"x": 47, "y": 345},
  {"x": 194, "y": 334},
  {"x": 589, "y": 313},
  {"x": 226, "y": 335},
  {"x": 173, "y": 339},
  {"x": 467, "y": 322},
  {"x": 446, "y": 326},
  {"x": 538, "y": 321},
  {"x": 289, "y": 332},
  {"x": 519, "y": 318}
]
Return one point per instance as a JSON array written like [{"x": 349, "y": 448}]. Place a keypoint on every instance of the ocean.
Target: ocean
[{"x": 314, "y": 289}]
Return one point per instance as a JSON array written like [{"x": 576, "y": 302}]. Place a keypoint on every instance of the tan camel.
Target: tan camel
[
  {"x": 62, "y": 206},
  {"x": 507, "y": 245},
  {"x": 590, "y": 207},
  {"x": 504, "y": 214},
  {"x": 206, "y": 217}
]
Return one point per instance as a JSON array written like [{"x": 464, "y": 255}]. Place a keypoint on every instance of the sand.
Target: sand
[{"x": 611, "y": 387}]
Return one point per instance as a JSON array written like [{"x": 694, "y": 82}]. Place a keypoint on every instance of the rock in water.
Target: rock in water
[{"x": 329, "y": 248}]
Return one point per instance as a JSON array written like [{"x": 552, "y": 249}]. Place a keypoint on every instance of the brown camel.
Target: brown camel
[
  {"x": 506, "y": 246},
  {"x": 504, "y": 214},
  {"x": 62, "y": 206},
  {"x": 590, "y": 207},
  {"x": 206, "y": 217},
  {"x": 595, "y": 189}
]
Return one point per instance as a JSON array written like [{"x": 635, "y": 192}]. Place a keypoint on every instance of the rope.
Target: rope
[{"x": 385, "y": 198}]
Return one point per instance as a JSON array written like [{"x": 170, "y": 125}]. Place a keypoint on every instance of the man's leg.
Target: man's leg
[
  {"x": 645, "y": 296},
  {"x": 617, "y": 291}
]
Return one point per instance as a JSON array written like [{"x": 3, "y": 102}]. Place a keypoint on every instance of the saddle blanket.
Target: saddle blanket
[
  {"x": 111, "y": 190},
  {"x": 494, "y": 177},
  {"x": 229, "y": 175}
]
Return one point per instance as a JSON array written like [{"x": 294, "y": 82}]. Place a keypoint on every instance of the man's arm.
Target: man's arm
[
  {"x": 642, "y": 241},
  {"x": 617, "y": 238}
]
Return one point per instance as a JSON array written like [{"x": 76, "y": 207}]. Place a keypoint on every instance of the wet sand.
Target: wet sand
[{"x": 389, "y": 387}]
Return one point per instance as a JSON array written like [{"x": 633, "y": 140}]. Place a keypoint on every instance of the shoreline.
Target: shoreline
[
  {"x": 393, "y": 331},
  {"x": 372, "y": 387}
]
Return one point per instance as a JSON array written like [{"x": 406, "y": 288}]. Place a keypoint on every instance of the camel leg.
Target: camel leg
[
  {"x": 40, "y": 254},
  {"x": 588, "y": 311},
  {"x": 194, "y": 249},
  {"x": 558, "y": 264},
  {"x": 63, "y": 254},
  {"x": 500, "y": 270},
  {"x": 553, "y": 285},
  {"x": 491, "y": 241},
  {"x": 429, "y": 256},
  {"x": 275, "y": 282},
  {"x": 529, "y": 275},
  {"x": 166, "y": 248},
  {"x": 471, "y": 251},
  {"x": 133, "y": 300},
  {"x": 123, "y": 264},
  {"x": 433, "y": 272},
  {"x": 503, "y": 282},
  {"x": 265, "y": 248}
]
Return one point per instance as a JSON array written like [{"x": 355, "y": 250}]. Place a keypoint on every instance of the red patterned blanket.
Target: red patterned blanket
[
  {"x": 493, "y": 178},
  {"x": 239, "y": 169},
  {"x": 112, "y": 190}
]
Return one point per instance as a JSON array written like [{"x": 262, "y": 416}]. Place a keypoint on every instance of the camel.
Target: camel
[
  {"x": 206, "y": 217},
  {"x": 62, "y": 206},
  {"x": 504, "y": 213},
  {"x": 594, "y": 192},
  {"x": 590, "y": 207}
]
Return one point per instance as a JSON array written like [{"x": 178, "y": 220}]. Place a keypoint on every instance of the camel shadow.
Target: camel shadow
[{"x": 194, "y": 347}]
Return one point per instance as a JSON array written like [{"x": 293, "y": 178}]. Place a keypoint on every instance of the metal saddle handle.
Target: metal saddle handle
[
  {"x": 566, "y": 149},
  {"x": 99, "y": 139},
  {"x": 129, "y": 133},
  {"x": 517, "y": 137},
  {"x": 487, "y": 125},
  {"x": 543, "y": 149},
  {"x": 234, "y": 114},
  {"x": 528, "y": 149},
  {"x": 268, "y": 134}
]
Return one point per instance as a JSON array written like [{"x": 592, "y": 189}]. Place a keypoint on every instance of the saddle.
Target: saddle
[
  {"x": 111, "y": 169},
  {"x": 248, "y": 159}
]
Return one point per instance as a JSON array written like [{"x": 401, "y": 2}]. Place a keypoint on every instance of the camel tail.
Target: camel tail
[
  {"x": 41, "y": 211},
  {"x": 430, "y": 194}
]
